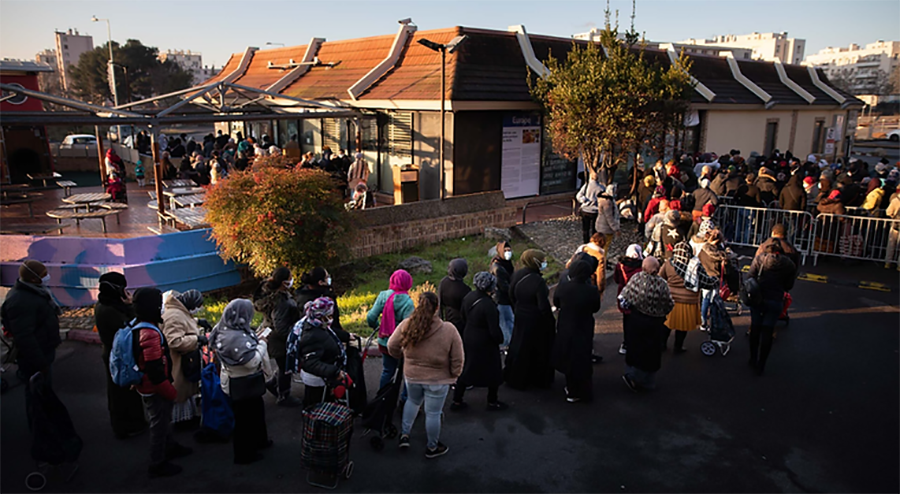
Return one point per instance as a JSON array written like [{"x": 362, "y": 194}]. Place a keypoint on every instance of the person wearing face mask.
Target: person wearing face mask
[
  {"x": 184, "y": 336},
  {"x": 321, "y": 356},
  {"x": 280, "y": 312},
  {"x": 316, "y": 284},
  {"x": 502, "y": 268},
  {"x": 113, "y": 312},
  {"x": 528, "y": 360}
]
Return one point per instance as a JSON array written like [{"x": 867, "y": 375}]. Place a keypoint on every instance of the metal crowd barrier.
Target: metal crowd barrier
[
  {"x": 855, "y": 237},
  {"x": 750, "y": 227}
]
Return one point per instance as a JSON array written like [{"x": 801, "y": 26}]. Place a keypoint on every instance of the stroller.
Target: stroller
[
  {"x": 379, "y": 412},
  {"x": 327, "y": 430},
  {"x": 721, "y": 330}
]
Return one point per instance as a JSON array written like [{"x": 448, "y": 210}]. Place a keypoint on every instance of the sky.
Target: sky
[{"x": 217, "y": 28}]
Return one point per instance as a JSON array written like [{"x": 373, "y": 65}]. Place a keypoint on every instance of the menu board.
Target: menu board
[
  {"x": 520, "y": 169},
  {"x": 558, "y": 173}
]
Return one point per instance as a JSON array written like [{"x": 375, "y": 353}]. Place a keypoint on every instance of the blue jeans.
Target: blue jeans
[
  {"x": 433, "y": 395},
  {"x": 506, "y": 323},
  {"x": 706, "y": 299},
  {"x": 388, "y": 367}
]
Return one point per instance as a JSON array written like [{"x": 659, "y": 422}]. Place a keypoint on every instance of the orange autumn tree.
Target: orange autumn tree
[{"x": 272, "y": 215}]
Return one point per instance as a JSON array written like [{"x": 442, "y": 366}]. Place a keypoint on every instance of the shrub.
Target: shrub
[{"x": 272, "y": 215}]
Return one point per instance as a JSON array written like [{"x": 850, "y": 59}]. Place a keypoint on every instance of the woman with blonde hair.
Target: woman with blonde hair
[{"x": 433, "y": 360}]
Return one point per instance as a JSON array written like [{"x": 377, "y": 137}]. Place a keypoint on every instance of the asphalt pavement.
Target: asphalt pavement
[{"x": 823, "y": 418}]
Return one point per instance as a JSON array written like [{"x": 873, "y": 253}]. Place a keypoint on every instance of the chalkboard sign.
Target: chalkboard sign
[{"x": 557, "y": 172}]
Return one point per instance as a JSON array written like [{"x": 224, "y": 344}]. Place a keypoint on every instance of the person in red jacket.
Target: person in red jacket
[
  {"x": 628, "y": 266},
  {"x": 156, "y": 389}
]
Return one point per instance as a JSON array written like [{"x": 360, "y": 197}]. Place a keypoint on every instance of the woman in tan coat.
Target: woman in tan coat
[{"x": 183, "y": 336}]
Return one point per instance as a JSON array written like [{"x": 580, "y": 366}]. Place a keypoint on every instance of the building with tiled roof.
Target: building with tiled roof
[{"x": 494, "y": 137}]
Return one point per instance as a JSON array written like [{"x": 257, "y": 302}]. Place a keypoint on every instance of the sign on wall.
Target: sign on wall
[
  {"x": 557, "y": 172},
  {"x": 520, "y": 169}
]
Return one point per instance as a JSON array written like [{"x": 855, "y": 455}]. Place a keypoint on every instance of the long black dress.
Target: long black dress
[
  {"x": 528, "y": 360},
  {"x": 577, "y": 301},
  {"x": 481, "y": 341},
  {"x": 451, "y": 294},
  {"x": 642, "y": 336},
  {"x": 126, "y": 409}
]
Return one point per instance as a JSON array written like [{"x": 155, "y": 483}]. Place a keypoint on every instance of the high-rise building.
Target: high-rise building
[
  {"x": 69, "y": 47},
  {"x": 861, "y": 68},
  {"x": 189, "y": 61},
  {"x": 49, "y": 81},
  {"x": 765, "y": 46},
  {"x": 690, "y": 49}
]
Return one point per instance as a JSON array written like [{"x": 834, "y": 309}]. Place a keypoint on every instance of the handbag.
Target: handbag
[
  {"x": 751, "y": 294},
  {"x": 191, "y": 365},
  {"x": 245, "y": 387}
]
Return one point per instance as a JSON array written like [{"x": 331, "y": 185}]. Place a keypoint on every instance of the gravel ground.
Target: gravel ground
[
  {"x": 77, "y": 318},
  {"x": 560, "y": 237}
]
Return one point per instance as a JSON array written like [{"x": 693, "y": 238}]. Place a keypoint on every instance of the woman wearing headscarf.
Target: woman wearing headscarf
[
  {"x": 320, "y": 353},
  {"x": 112, "y": 313},
  {"x": 608, "y": 213},
  {"x": 317, "y": 284},
  {"x": 451, "y": 292},
  {"x": 433, "y": 354},
  {"x": 528, "y": 360},
  {"x": 577, "y": 302},
  {"x": 628, "y": 266},
  {"x": 685, "y": 276},
  {"x": 243, "y": 355},
  {"x": 481, "y": 341},
  {"x": 273, "y": 299},
  {"x": 502, "y": 268},
  {"x": 184, "y": 336},
  {"x": 648, "y": 301},
  {"x": 392, "y": 306}
]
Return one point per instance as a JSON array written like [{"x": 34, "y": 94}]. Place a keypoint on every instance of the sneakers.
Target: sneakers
[
  {"x": 439, "y": 450},
  {"x": 622, "y": 349},
  {"x": 497, "y": 406},
  {"x": 704, "y": 328},
  {"x": 289, "y": 402},
  {"x": 457, "y": 406},
  {"x": 630, "y": 383},
  {"x": 164, "y": 469},
  {"x": 175, "y": 450},
  {"x": 404, "y": 441}
]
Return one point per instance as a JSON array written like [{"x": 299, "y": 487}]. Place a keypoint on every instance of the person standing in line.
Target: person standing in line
[
  {"x": 685, "y": 316},
  {"x": 273, "y": 299},
  {"x": 577, "y": 301},
  {"x": 391, "y": 306},
  {"x": 648, "y": 301},
  {"x": 112, "y": 313},
  {"x": 451, "y": 292},
  {"x": 893, "y": 212},
  {"x": 595, "y": 249},
  {"x": 320, "y": 352},
  {"x": 628, "y": 266},
  {"x": 608, "y": 214},
  {"x": 775, "y": 273},
  {"x": 502, "y": 268},
  {"x": 587, "y": 197},
  {"x": 317, "y": 284},
  {"x": 528, "y": 359},
  {"x": 433, "y": 354},
  {"x": 703, "y": 196},
  {"x": 184, "y": 337},
  {"x": 244, "y": 359},
  {"x": 481, "y": 341},
  {"x": 154, "y": 360}
]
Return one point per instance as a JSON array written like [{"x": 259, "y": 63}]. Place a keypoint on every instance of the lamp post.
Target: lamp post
[
  {"x": 450, "y": 47},
  {"x": 111, "y": 71}
]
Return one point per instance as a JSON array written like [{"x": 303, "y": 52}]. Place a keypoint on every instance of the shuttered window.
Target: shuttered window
[
  {"x": 331, "y": 134},
  {"x": 400, "y": 134}
]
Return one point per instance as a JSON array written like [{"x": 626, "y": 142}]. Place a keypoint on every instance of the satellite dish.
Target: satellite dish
[{"x": 19, "y": 98}]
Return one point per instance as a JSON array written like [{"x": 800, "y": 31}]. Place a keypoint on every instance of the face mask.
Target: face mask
[
  {"x": 543, "y": 265},
  {"x": 290, "y": 283},
  {"x": 45, "y": 279},
  {"x": 507, "y": 255},
  {"x": 328, "y": 281}
]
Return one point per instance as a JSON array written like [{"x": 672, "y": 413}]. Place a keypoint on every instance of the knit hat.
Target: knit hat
[
  {"x": 809, "y": 181},
  {"x": 148, "y": 304},
  {"x": 191, "y": 299},
  {"x": 708, "y": 210},
  {"x": 484, "y": 281},
  {"x": 32, "y": 271}
]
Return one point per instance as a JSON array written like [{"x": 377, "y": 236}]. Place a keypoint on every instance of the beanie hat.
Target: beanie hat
[
  {"x": 809, "y": 181},
  {"x": 32, "y": 271}
]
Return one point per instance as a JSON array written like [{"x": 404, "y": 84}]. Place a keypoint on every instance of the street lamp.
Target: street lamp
[
  {"x": 450, "y": 47},
  {"x": 111, "y": 71}
]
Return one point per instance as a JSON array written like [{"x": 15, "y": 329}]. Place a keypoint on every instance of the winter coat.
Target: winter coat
[
  {"x": 670, "y": 236},
  {"x": 600, "y": 275},
  {"x": 450, "y": 296},
  {"x": 703, "y": 197},
  {"x": 481, "y": 340},
  {"x": 830, "y": 206},
  {"x": 625, "y": 269},
  {"x": 503, "y": 271},
  {"x": 528, "y": 359},
  {"x": 577, "y": 302},
  {"x": 711, "y": 258},
  {"x": 437, "y": 358},
  {"x": 181, "y": 332},
  {"x": 154, "y": 360},
  {"x": 280, "y": 313},
  {"x": 775, "y": 274},
  {"x": 109, "y": 318},
  {"x": 732, "y": 184},
  {"x": 793, "y": 197},
  {"x": 607, "y": 216},
  {"x": 403, "y": 308},
  {"x": 768, "y": 189},
  {"x": 748, "y": 195},
  {"x": 587, "y": 196},
  {"x": 320, "y": 354},
  {"x": 717, "y": 186},
  {"x": 30, "y": 316},
  {"x": 680, "y": 294},
  {"x": 307, "y": 294}
]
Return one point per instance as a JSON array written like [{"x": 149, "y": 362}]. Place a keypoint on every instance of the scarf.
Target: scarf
[
  {"x": 319, "y": 311},
  {"x": 400, "y": 283},
  {"x": 234, "y": 340},
  {"x": 689, "y": 268},
  {"x": 648, "y": 294},
  {"x": 43, "y": 290}
]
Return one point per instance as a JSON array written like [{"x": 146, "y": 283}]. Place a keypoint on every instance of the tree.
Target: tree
[
  {"x": 139, "y": 73},
  {"x": 607, "y": 102},
  {"x": 272, "y": 215}
]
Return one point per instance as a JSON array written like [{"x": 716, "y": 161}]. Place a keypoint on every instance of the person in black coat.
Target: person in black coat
[
  {"x": 321, "y": 352},
  {"x": 577, "y": 301},
  {"x": 317, "y": 283},
  {"x": 451, "y": 291},
  {"x": 502, "y": 268},
  {"x": 528, "y": 359},
  {"x": 748, "y": 194},
  {"x": 775, "y": 273},
  {"x": 481, "y": 342},
  {"x": 280, "y": 313},
  {"x": 793, "y": 197},
  {"x": 112, "y": 313}
]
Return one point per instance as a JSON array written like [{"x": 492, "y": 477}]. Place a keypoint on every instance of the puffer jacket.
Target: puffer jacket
[
  {"x": 830, "y": 206},
  {"x": 154, "y": 361},
  {"x": 607, "y": 216},
  {"x": 30, "y": 316},
  {"x": 319, "y": 353},
  {"x": 587, "y": 196}
]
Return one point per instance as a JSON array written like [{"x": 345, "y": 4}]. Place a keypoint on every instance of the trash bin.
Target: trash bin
[{"x": 406, "y": 184}]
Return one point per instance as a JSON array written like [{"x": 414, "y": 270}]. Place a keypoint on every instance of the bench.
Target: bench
[
  {"x": 112, "y": 206},
  {"x": 67, "y": 185},
  {"x": 182, "y": 182},
  {"x": 43, "y": 178},
  {"x": 189, "y": 201},
  {"x": 10, "y": 201},
  {"x": 190, "y": 217},
  {"x": 31, "y": 229},
  {"x": 101, "y": 214}
]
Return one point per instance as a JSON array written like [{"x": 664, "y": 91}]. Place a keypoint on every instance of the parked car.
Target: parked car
[
  {"x": 73, "y": 140},
  {"x": 894, "y": 135}
]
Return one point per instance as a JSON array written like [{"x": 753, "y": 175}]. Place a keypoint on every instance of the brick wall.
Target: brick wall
[{"x": 427, "y": 228}]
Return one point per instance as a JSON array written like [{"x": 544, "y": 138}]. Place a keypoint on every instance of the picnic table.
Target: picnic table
[
  {"x": 190, "y": 217},
  {"x": 101, "y": 214},
  {"x": 189, "y": 201},
  {"x": 44, "y": 178},
  {"x": 17, "y": 189},
  {"x": 67, "y": 185},
  {"x": 174, "y": 193},
  {"x": 9, "y": 201},
  {"x": 87, "y": 199},
  {"x": 182, "y": 182}
]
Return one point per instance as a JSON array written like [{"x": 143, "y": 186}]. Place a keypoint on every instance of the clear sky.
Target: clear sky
[{"x": 217, "y": 28}]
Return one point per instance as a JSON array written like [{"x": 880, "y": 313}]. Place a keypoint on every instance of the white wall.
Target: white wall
[{"x": 746, "y": 130}]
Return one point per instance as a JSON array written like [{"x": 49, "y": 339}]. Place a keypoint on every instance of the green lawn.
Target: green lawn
[{"x": 362, "y": 280}]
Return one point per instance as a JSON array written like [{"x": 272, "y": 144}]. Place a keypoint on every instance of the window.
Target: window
[
  {"x": 65, "y": 47},
  {"x": 331, "y": 134},
  {"x": 771, "y": 137},
  {"x": 400, "y": 134},
  {"x": 818, "y": 136}
]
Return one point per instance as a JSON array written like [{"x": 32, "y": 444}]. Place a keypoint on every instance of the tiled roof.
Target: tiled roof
[
  {"x": 24, "y": 66},
  {"x": 800, "y": 75},
  {"x": 234, "y": 61},
  {"x": 259, "y": 75},
  {"x": 417, "y": 75},
  {"x": 715, "y": 74},
  {"x": 766, "y": 77},
  {"x": 490, "y": 68}
]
